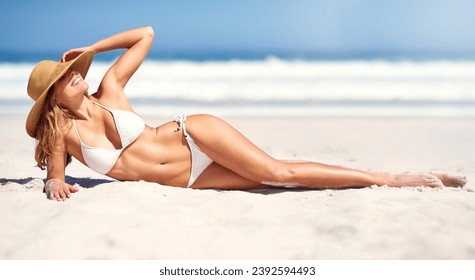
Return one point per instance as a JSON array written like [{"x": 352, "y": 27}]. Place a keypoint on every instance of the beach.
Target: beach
[{"x": 108, "y": 219}]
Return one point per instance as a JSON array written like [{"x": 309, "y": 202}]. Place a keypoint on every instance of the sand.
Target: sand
[{"x": 107, "y": 219}]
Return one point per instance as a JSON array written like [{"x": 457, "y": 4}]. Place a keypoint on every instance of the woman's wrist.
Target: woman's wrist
[{"x": 94, "y": 49}]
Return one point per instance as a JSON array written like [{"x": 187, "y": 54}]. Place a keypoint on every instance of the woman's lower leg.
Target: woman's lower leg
[{"x": 318, "y": 175}]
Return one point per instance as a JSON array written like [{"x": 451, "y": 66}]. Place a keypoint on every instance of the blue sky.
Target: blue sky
[{"x": 246, "y": 25}]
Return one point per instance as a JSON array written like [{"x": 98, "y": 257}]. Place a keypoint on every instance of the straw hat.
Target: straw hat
[{"x": 43, "y": 76}]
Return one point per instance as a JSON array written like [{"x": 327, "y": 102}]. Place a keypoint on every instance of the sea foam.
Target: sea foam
[{"x": 281, "y": 87}]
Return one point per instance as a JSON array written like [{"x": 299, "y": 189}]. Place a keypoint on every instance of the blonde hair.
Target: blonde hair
[{"x": 49, "y": 132}]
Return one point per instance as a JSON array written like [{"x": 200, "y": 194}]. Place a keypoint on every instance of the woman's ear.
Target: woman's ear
[{"x": 54, "y": 94}]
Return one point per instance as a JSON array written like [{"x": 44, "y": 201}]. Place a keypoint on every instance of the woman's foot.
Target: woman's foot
[
  {"x": 410, "y": 180},
  {"x": 451, "y": 180},
  {"x": 422, "y": 179}
]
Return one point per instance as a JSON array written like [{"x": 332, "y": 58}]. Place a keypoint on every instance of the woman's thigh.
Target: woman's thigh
[
  {"x": 219, "y": 177},
  {"x": 229, "y": 148}
]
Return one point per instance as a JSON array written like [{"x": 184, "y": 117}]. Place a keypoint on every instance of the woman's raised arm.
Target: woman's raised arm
[{"x": 137, "y": 41}]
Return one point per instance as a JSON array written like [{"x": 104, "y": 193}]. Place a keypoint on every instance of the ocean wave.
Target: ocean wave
[{"x": 274, "y": 80}]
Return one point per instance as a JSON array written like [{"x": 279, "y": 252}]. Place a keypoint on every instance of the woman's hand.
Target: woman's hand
[
  {"x": 72, "y": 54},
  {"x": 58, "y": 190}
]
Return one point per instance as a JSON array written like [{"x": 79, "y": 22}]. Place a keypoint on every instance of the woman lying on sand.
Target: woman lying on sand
[{"x": 199, "y": 151}]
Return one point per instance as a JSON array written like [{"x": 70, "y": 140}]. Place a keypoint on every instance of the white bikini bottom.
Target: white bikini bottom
[{"x": 199, "y": 160}]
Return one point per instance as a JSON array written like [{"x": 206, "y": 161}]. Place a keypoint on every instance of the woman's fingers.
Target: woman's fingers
[
  {"x": 61, "y": 192},
  {"x": 67, "y": 56},
  {"x": 56, "y": 196},
  {"x": 62, "y": 195},
  {"x": 66, "y": 191},
  {"x": 73, "y": 53},
  {"x": 50, "y": 196},
  {"x": 64, "y": 58}
]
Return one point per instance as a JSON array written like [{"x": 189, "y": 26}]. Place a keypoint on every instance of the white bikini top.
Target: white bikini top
[{"x": 129, "y": 127}]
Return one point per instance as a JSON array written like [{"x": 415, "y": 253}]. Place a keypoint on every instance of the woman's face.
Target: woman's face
[{"x": 70, "y": 86}]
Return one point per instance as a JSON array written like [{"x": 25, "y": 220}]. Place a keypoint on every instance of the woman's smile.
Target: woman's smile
[{"x": 76, "y": 80}]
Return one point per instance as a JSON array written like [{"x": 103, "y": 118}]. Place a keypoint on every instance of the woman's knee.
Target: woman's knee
[{"x": 279, "y": 173}]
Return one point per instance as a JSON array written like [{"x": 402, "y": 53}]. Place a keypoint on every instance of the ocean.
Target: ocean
[{"x": 274, "y": 85}]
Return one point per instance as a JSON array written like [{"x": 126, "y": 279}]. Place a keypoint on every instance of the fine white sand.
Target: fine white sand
[{"x": 139, "y": 220}]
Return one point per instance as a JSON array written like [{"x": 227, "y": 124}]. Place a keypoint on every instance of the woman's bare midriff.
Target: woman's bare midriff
[{"x": 159, "y": 155}]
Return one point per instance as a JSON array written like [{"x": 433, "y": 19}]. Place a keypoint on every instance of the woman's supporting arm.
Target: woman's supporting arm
[{"x": 56, "y": 188}]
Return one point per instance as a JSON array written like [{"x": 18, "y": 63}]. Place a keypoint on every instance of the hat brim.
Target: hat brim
[{"x": 80, "y": 64}]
